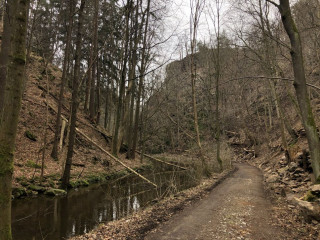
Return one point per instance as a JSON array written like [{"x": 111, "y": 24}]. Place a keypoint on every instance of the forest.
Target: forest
[{"x": 169, "y": 119}]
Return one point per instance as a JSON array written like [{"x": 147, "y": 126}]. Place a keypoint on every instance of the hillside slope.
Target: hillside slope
[{"x": 89, "y": 162}]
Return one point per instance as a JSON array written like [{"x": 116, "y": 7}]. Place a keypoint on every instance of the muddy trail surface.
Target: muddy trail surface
[{"x": 238, "y": 208}]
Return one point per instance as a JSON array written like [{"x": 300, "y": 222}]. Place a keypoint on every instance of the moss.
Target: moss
[
  {"x": 19, "y": 192},
  {"x": 23, "y": 183},
  {"x": 78, "y": 183},
  {"x": 19, "y": 59},
  {"x": 6, "y": 162},
  {"x": 54, "y": 176},
  {"x": 309, "y": 197},
  {"x": 73, "y": 184},
  {"x": 94, "y": 178},
  {"x": 32, "y": 164},
  {"x": 84, "y": 183},
  {"x": 30, "y": 135},
  {"x": 51, "y": 183},
  {"x": 36, "y": 188}
]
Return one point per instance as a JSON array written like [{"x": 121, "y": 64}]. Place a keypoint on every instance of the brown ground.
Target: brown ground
[{"x": 237, "y": 209}]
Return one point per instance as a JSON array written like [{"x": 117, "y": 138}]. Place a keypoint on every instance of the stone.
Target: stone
[
  {"x": 37, "y": 189},
  {"x": 55, "y": 192},
  {"x": 282, "y": 171},
  {"x": 292, "y": 166},
  {"x": 19, "y": 192},
  {"x": 315, "y": 188},
  {"x": 274, "y": 177}
]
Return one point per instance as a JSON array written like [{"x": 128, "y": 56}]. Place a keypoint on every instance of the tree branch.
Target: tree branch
[{"x": 273, "y": 3}]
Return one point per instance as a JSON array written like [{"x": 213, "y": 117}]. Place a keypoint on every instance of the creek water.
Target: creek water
[{"x": 82, "y": 209}]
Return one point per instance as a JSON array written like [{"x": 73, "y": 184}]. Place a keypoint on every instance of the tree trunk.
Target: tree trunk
[
  {"x": 11, "y": 108},
  {"x": 300, "y": 86},
  {"x": 193, "y": 76},
  {"x": 92, "y": 105},
  {"x": 116, "y": 142},
  {"x": 131, "y": 87},
  {"x": 5, "y": 50},
  {"x": 98, "y": 93},
  {"x": 141, "y": 80},
  {"x": 218, "y": 76},
  {"x": 89, "y": 86},
  {"x": 54, "y": 153},
  {"x": 75, "y": 104},
  {"x": 29, "y": 40}
]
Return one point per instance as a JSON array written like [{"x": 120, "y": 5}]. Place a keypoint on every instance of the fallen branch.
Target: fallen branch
[
  {"x": 185, "y": 132},
  {"x": 109, "y": 154},
  {"x": 114, "y": 158},
  {"x": 158, "y": 160}
]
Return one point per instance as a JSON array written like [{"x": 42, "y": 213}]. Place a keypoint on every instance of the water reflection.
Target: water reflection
[{"x": 81, "y": 210}]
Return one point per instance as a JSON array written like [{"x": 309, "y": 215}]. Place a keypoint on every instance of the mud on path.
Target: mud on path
[{"x": 238, "y": 208}]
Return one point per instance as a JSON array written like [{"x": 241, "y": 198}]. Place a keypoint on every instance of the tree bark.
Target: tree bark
[
  {"x": 5, "y": 50},
  {"x": 11, "y": 108},
  {"x": 94, "y": 86},
  {"x": 131, "y": 87},
  {"x": 75, "y": 104}
]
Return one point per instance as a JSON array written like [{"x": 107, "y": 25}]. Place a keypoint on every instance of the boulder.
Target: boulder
[
  {"x": 36, "y": 188},
  {"x": 310, "y": 210},
  {"x": 55, "y": 192},
  {"x": 315, "y": 189}
]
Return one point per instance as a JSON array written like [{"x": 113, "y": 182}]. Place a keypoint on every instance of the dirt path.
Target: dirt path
[{"x": 237, "y": 209}]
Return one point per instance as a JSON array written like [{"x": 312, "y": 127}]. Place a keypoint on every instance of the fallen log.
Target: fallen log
[
  {"x": 106, "y": 152},
  {"x": 114, "y": 158}
]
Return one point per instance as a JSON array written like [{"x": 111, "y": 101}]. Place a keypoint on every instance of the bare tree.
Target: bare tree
[
  {"x": 11, "y": 108},
  {"x": 196, "y": 9},
  {"x": 54, "y": 153},
  {"x": 75, "y": 99}
]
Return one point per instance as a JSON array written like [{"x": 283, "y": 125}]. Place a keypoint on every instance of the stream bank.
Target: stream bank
[
  {"x": 82, "y": 209},
  {"x": 137, "y": 225}
]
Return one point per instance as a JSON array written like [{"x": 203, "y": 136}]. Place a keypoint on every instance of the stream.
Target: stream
[{"x": 82, "y": 209}]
